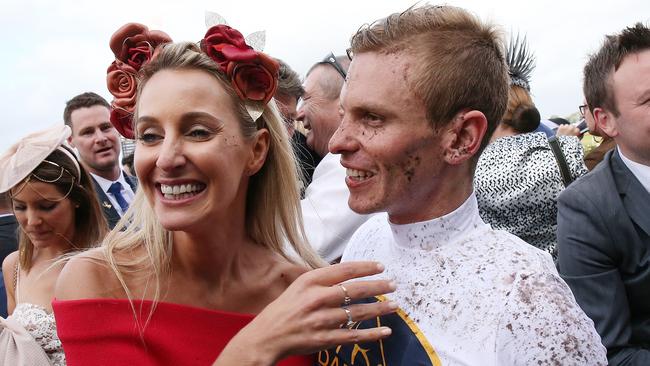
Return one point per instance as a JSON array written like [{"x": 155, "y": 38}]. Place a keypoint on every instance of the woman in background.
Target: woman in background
[
  {"x": 54, "y": 203},
  {"x": 518, "y": 177}
]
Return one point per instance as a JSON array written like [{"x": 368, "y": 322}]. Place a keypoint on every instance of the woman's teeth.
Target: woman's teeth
[{"x": 180, "y": 191}]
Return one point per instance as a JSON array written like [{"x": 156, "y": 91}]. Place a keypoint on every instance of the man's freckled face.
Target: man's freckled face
[{"x": 392, "y": 144}]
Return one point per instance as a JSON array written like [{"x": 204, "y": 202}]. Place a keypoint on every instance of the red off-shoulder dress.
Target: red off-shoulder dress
[{"x": 103, "y": 332}]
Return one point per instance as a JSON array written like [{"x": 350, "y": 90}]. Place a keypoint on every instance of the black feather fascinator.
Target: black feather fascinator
[{"x": 521, "y": 62}]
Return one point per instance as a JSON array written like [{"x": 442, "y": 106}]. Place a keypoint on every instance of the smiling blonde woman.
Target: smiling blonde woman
[{"x": 201, "y": 272}]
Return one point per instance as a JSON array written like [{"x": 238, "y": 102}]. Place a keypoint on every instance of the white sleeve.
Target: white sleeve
[
  {"x": 542, "y": 324},
  {"x": 329, "y": 222}
]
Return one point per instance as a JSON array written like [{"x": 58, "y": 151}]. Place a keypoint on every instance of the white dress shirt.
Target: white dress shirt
[
  {"x": 329, "y": 221},
  {"x": 640, "y": 171},
  {"x": 126, "y": 191}
]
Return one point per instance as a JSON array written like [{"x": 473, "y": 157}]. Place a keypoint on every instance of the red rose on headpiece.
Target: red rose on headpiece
[
  {"x": 255, "y": 80},
  {"x": 123, "y": 122},
  {"x": 224, "y": 44},
  {"x": 134, "y": 44},
  {"x": 253, "y": 75}
]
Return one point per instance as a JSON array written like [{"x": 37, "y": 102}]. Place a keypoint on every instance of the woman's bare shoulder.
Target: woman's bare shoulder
[
  {"x": 9, "y": 263},
  {"x": 288, "y": 270},
  {"x": 9, "y": 273},
  {"x": 85, "y": 275}
]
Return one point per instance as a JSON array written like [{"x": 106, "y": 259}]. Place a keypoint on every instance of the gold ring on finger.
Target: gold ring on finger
[
  {"x": 349, "y": 323},
  {"x": 347, "y": 300}
]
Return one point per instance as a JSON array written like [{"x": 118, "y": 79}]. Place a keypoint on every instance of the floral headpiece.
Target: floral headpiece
[
  {"x": 253, "y": 74},
  {"x": 133, "y": 46}
]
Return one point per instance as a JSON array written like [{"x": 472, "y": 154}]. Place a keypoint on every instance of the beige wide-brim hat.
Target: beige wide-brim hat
[{"x": 25, "y": 155}]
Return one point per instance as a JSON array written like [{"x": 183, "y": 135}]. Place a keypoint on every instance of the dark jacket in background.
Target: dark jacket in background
[
  {"x": 8, "y": 244},
  {"x": 596, "y": 155},
  {"x": 110, "y": 213},
  {"x": 604, "y": 256},
  {"x": 307, "y": 159}
]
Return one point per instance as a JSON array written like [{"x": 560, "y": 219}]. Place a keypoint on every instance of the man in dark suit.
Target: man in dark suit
[
  {"x": 110, "y": 207},
  {"x": 98, "y": 145},
  {"x": 8, "y": 243},
  {"x": 289, "y": 91},
  {"x": 604, "y": 217}
]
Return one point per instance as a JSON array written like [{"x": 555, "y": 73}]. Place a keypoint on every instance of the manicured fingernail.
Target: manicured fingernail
[
  {"x": 380, "y": 267},
  {"x": 392, "y": 305},
  {"x": 392, "y": 286},
  {"x": 385, "y": 331}
]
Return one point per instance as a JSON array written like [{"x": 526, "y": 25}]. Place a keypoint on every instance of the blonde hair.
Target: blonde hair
[
  {"x": 459, "y": 60},
  {"x": 272, "y": 201}
]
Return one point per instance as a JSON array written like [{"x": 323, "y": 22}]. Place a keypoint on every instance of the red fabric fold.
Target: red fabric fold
[{"x": 104, "y": 332}]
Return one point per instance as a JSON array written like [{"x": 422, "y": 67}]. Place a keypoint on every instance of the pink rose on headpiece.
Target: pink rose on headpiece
[
  {"x": 121, "y": 82},
  {"x": 224, "y": 44},
  {"x": 134, "y": 44},
  {"x": 255, "y": 80}
]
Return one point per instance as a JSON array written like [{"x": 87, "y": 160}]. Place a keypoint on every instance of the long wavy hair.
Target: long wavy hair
[{"x": 273, "y": 215}]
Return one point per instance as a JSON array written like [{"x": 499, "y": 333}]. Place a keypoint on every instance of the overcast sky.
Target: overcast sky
[{"x": 53, "y": 50}]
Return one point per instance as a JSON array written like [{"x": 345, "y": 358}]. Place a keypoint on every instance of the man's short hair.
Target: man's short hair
[
  {"x": 83, "y": 100},
  {"x": 5, "y": 202},
  {"x": 332, "y": 86},
  {"x": 459, "y": 60},
  {"x": 602, "y": 65}
]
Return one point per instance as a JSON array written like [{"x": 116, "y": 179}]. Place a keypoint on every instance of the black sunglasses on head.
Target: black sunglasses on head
[{"x": 331, "y": 60}]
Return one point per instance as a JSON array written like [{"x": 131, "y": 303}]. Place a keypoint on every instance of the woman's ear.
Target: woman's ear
[
  {"x": 259, "y": 150},
  {"x": 468, "y": 129}
]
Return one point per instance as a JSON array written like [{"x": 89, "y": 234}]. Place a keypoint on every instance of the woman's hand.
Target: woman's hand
[
  {"x": 309, "y": 315},
  {"x": 567, "y": 130}
]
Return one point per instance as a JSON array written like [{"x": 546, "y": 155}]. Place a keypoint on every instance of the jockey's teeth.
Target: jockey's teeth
[{"x": 358, "y": 174}]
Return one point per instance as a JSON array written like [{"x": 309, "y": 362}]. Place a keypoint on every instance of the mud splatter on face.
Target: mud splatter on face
[
  {"x": 410, "y": 165},
  {"x": 405, "y": 73},
  {"x": 231, "y": 141}
]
